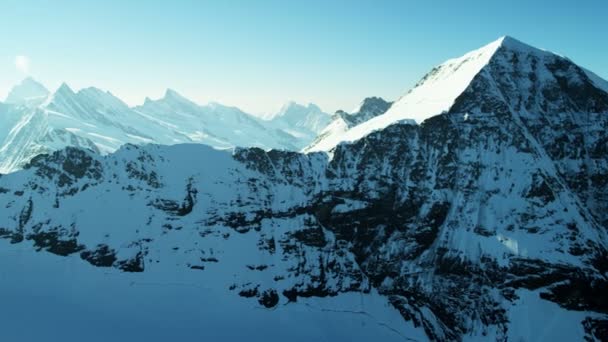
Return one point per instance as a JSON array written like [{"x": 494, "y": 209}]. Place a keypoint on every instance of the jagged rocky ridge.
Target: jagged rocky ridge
[
  {"x": 342, "y": 121},
  {"x": 34, "y": 121},
  {"x": 370, "y": 108},
  {"x": 496, "y": 204}
]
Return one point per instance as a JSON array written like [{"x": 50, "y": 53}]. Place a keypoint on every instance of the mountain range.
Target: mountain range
[
  {"x": 472, "y": 208},
  {"x": 37, "y": 121}
]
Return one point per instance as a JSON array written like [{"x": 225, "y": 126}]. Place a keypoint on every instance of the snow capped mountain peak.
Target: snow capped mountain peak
[
  {"x": 312, "y": 106},
  {"x": 286, "y": 107},
  {"x": 91, "y": 98},
  {"x": 432, "y": 95},
  {"x": 95, "y": 91},
  {"x": 294, "y": 109},
  {"x": 369, "y": 108},
  {"x": 95, "y": 119},
  {"x": 62, "y": 94},
  {"x": 509, "y": 41},
  {"x": 30, "y": 80},
  {"x": 513, "y": 44},
  {"x": 171, "y": 102},
  {"x": 531, "y": 82},
  {"x": 300, "y": 121},
  {"x": 64, "y": 89},
  {"x": 528, "y": 71},
  {"x": 27, "y": 91},
  {"x": 172, "y": 98},
  {"x": 106, "y": 98},
  {"x": 342, "y": 121},
  {"x": 171, "y": 94}
]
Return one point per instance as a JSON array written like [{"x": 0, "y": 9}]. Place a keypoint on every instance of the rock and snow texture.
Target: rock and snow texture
[
  {"x": 34, "y": 122},
  {"x": 597, "y": 81},
  {"x": 486, "y": 222},
  {"x": 438, "y": 91},
  {"x": 434, "y": 94},
  {"x": 343, "y": 121},
  {"x": 368, "y": 109}
]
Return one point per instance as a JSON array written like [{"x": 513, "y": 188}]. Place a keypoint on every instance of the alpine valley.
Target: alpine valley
[{"x": 473, "y": 208}]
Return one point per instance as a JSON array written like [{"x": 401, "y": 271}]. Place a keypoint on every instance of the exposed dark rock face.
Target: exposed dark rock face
[
  {"x": 269, "y": 298},
  {"x": 135, "y": 264},
  {"x": 175, "y": 208},
  {"x": 102, "y": 256},
  {"x": 67, "y": 166},
  {"x": 596, "y": 329},
  {"x": 55, "y": 242}
]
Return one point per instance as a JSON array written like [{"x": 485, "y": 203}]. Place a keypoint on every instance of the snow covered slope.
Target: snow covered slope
[
  {"x": 37, "y": 122},
  {"x": 597, "y": 81},
  {"x": 434, "y": 94},
  {"x": 89, "y": 118},
  {"x": 342, "y": 121}
]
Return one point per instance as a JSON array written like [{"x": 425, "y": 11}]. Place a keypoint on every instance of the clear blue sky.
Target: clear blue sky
[{"x": 259, "y": 54}]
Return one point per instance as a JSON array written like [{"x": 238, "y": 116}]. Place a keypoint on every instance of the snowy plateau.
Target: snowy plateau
[{"x": 473, "y": 208}]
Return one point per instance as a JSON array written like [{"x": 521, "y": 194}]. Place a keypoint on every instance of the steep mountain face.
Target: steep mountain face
[
  {"x": 434, "y": 94},
  {"x": 26, "y": 132},
  {"x": 304, "y": 123},
  {"x": 559, "y": 105},
  {"x": 485, "y": 222},
  {"x": 343, "y": 121},
  {"x": 29, "y": 91},
  {"x": 96, "y": 119},
  {"x": 597, "y": 81},
  {"x": 369, "y": 109},
  {"x": 89, "y": 118}
]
